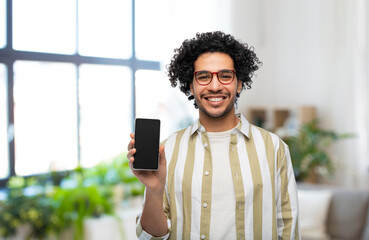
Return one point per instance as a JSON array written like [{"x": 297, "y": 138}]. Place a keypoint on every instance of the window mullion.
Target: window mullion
[
  {"x": 133, "y": 62},
  {"x": 10, "y": 85}
]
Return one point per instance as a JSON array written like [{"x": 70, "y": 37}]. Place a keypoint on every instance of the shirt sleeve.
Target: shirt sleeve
[{"x": 287, "y": 201}]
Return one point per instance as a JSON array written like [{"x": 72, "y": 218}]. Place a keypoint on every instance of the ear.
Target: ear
[
  {"x": 191, "y": 89},
  {"x": 239, "y": 87}
]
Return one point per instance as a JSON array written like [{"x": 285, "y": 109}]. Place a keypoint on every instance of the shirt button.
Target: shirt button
[
  {"x": 204, "y": 204},
  {"x": 205, "y": 145},
  {"x": 206, "y": 173},
  {"x": 202, "y": 236}
]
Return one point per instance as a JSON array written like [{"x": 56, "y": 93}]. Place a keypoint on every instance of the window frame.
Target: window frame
[{"x": 8, "y": 56}]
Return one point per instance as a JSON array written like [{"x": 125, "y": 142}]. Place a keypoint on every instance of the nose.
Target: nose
[{"x": 215, "y": 85}]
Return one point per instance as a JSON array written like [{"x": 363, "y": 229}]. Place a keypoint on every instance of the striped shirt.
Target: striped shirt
[{"x": 264, "y": 185}]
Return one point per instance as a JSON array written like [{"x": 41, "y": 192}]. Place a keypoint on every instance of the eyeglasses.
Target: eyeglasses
[{"x": 225, "y": 76}]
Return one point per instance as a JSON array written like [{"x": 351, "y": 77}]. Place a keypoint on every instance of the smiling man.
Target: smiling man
[
  {"x": 216, "y": 99},
  {"x": 222, "y": 177}
]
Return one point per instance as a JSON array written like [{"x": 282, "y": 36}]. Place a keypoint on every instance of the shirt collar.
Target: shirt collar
[{"x": 243, "y": 127}]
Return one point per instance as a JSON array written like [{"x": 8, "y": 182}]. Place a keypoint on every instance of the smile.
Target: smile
[{"x": 215, "y": 99}]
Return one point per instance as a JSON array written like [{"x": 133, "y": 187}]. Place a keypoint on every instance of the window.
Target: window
[{"x": 67, "y": 73}]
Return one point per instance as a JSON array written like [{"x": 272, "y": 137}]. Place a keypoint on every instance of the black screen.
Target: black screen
[{"x": 147, "y": 137}]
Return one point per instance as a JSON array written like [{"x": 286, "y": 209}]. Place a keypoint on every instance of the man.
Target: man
[{"x": 221, "y": 178}]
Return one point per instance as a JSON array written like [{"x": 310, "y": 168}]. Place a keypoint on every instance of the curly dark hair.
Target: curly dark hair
[{"x": 181, "y": 68}]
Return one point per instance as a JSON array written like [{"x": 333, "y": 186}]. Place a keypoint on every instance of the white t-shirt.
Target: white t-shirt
[{"x": 222, "y": 221}]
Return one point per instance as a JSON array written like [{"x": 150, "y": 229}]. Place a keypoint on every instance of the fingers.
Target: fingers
[
  {"x": 131, "y": 150},
  {"x": 131, "y": 159},
  {"x": 131, "y": 153},
  {"x": 131, "y": 143}
]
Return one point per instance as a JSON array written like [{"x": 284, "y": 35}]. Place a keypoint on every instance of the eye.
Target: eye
[
  {"x": 203, "y": 75},
  {"x": 226, "y": 75}
]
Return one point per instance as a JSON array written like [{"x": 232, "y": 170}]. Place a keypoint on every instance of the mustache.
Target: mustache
[{"x": 214, "y": 94}]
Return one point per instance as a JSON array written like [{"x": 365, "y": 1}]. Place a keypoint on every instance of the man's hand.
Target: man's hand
[{"x": 153, "y": 180}]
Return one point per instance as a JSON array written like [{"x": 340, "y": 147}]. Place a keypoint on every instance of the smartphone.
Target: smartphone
[{"x": 147, "y": 140}]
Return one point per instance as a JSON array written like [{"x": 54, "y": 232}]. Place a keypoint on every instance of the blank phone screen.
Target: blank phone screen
[{"x": 147, "y": 138}]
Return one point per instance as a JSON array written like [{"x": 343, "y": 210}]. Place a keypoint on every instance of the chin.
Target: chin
[{"x": 216, "y": 114}]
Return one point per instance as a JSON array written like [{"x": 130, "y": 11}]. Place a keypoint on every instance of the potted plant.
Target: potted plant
[
  {"x": 309, "y": 151},
  {"x": 45, "y": 211},
  {"x": 28, "y": 207},
  {"x": 117, "y": 173},
  {"x": 74, "y": 205},
  {"x": 50, "y": 204}
]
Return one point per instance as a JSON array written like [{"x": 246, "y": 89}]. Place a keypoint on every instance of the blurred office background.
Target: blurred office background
[{"x": 74, "y": 74}]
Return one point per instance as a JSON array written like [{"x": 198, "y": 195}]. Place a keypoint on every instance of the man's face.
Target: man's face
[{"x": 215, "y": 100}]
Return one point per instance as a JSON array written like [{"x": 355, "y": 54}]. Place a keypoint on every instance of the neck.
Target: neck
[{"x": 219, "y": 124}]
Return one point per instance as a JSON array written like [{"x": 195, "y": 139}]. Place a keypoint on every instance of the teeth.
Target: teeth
[{"x": 215, "y": 99}]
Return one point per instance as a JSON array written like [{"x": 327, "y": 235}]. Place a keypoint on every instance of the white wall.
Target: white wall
[{"x": 309, "y": 54}]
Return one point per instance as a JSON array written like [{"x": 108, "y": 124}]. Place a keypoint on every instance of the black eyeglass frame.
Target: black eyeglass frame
[{"x": 212, "y": 75}]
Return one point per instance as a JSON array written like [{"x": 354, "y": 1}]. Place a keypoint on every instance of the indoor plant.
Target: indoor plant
[
  {"x": 28, "y": 205},
  {"x": 56, "y": 202},
  {"x": 308, "y": 150}
]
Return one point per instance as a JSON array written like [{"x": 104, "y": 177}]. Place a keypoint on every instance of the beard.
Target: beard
[{"x": 214, "y": 112}]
